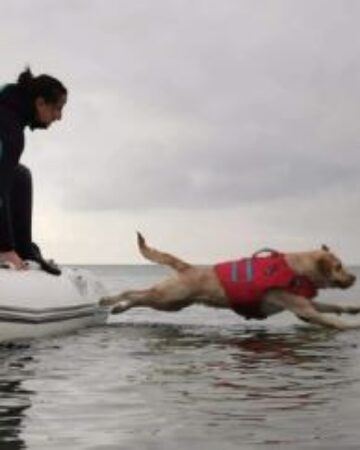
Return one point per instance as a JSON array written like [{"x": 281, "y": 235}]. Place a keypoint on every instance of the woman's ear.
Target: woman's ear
[{"x": 39, "y": 103}]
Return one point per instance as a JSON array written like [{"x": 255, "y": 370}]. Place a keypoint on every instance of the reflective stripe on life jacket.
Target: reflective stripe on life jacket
[{"x": 245, "y": 282}]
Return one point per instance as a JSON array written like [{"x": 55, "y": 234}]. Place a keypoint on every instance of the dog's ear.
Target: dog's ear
[
  {"x": 324, "y": 266},
  {"x": 325, "y": 248}
]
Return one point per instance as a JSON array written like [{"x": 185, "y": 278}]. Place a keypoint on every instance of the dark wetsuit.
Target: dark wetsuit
[{"x": 15, "y": 179}]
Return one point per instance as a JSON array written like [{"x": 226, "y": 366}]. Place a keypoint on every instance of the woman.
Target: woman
[{"x": 34, "y": 101}]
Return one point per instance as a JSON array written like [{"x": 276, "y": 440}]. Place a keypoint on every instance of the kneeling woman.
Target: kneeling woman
[{"x": 36, "y": 102}]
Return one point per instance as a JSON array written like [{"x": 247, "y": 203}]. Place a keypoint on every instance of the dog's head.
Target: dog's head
[{"x": 331, "y": 271}]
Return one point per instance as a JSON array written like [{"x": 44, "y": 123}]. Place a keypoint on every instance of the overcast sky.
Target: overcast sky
[{"x": 215, "y": 127}]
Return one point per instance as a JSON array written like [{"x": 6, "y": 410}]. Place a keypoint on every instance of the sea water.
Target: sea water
[{"x": 200, "y": 379}]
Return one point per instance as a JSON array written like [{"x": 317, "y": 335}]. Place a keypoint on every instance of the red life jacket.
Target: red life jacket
[{"x": 245, "y": 282}]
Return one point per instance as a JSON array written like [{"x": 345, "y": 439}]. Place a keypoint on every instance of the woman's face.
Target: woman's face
[{"x": 46, "y": 112}]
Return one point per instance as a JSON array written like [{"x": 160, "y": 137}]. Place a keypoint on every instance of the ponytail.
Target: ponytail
[
  {"x": 25, "y": 78},
  {"x": 45, "y": 86}
]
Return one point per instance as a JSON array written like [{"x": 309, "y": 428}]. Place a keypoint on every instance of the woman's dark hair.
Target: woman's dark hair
[{"x": 45, "y": 86}]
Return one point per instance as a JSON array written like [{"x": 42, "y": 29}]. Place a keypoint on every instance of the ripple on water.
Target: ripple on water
[{"x": 146, "y": 384}]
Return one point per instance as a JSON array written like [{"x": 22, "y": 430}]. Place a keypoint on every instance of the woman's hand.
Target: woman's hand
[{"x": 13, "y": 258}]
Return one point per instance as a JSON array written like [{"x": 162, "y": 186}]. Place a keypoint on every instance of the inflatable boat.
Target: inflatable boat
[{"x": 34, "y": 303}]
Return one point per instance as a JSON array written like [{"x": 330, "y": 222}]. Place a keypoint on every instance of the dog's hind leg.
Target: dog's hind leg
[
  {"x": 131, "y": 298},
  {"x": 161, "y": 297}
]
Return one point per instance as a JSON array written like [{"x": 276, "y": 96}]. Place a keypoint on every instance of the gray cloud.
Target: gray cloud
[
  {"x": 207, "y": 105},
  {"x": 195, "y": 104}
]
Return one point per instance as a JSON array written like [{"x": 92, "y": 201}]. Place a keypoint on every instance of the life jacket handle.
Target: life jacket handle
[{"x": 266, "y": 250}]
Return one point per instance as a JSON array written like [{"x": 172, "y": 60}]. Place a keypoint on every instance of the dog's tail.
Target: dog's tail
[{"x": 160, "y": 257}]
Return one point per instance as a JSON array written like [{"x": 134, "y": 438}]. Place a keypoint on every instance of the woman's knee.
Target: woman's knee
[{"x": 22, "y": 176}]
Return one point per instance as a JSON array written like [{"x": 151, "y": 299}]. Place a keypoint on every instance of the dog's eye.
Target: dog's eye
[{"x": 338, "y": 267}]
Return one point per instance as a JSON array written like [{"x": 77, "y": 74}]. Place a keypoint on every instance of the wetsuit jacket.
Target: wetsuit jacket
[
  {"x": 14, "y": 116},
  {"x": 247, "y": 280}
]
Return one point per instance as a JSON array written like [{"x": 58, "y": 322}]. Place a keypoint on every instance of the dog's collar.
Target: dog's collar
[{"x": 301, "y": 285}]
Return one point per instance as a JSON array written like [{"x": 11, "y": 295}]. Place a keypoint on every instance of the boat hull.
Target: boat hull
[{"x": 35, "y": 304}]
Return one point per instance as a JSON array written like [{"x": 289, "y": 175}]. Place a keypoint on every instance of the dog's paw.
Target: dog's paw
[
  {"x": 353, "y": 309},
  {"x": 107, "y": 301},
  {"x": 121, "y": 307}
]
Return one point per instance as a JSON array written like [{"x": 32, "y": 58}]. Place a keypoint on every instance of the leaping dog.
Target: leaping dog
[{"x": 256, "y": 287}]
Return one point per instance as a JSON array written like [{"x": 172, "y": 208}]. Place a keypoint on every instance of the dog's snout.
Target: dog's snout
[
  {"x": 346, "y": 282},
  {"x": 351, "y": 278}
]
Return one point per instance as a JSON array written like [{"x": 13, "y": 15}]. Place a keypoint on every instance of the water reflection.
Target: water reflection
[
  {"x": 184, "y": 384},
  {"x": 15, "y": 399},
  {"x": 11, "y": 416},
  {"x": 293, "y": 369}
]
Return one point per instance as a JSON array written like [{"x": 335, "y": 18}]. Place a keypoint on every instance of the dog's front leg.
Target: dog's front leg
[
  {"x": 329, "y": 309},
  {"x": 305, "y": 310},
  {"x": 336, "y": 309},
  {"x": 352, "y": 309},
  {"x": 317, "y": 318}
]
